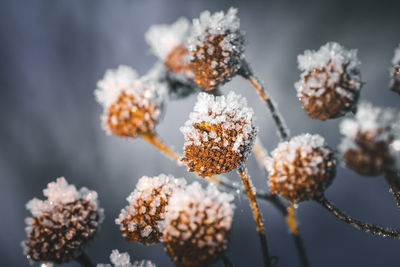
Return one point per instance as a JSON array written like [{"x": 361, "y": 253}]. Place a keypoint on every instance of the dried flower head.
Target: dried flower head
[
  {"x": 301, "y": 168},
  {"x": 132, "y": 106},
  {"x": 139, "y": 221},
  {"x": 124, "y": 260},
  {"x": 370, "y": 140},
  {"x": 218, "y": 135},
  {"x": 167, "y": 43},
  {"x": 63, "y": 224},
  {"x": 216, "y": 47},
  {"x": 330, "y": 83},
  {"x": 197, "y": 224},
  {"x": 395, "y": 71}
]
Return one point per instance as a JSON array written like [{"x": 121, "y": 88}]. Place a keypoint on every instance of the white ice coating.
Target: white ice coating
[
  {"x": 126, "y": 79},
  {"x": 59, "y": 192},
  {"x": 195, "y": 201},
  {"x": 372, "y": 118},
  {"x": 123, "y": 260},
  {"x": 331, "y": 52},
  {"x": 230, "y": 110},
  {"x": 164, "y": 38},
  {"x": 145, "y": 193},
  {"x": 396, "y": 57},
  {"x": 287, "y": 151},
  {"x": 217, "y": 23}
]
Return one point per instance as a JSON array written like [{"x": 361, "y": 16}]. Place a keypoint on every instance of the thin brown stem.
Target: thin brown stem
[
  {"x": 393, "y": 180},
  {"x": 84, "y": 260},
  {"x": 156, "y": 141},
  {"x": 366, "y": 227},
  {"x": 257, "y": 214},
  {"x": 247, "y": 73}
]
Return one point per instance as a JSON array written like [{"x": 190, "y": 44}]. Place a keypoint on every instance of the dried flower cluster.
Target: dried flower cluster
[
  {"x": 371, "y": 140},
  {"x": 301, "y": 168},
  {"x": 140, "y": 220},
  {"x": 196, "y": 227},
  {"x": 131, "y": 105},
  {"x": 330, "y": 83},
  {"x": 124, "y": 260},
  {"x": 395, "y": 71},
  {"x": 63, "y": 224},
  {"x": 219, "y": 134}
]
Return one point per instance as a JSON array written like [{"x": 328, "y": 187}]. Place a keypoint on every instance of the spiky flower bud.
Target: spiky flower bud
[
  {"x": 395, "y": 71},
  {"x": 216, "y": 47},
  {"x": 132, "y": 105},
  {"x": 301, "y": 168},
  {"x": 139, "y": 221},
  {"x": 167, "y": 43},
  {"x": 63, "y": 224},
  {"x": 218, "y": 135},
  {"x": 330, "y": 83},
  {"x": 370, "y": 140},
  {"x": 196, "y": 226},
  {"x": 124, "y": 260}
]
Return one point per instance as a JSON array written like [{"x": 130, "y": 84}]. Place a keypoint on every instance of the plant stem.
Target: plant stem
[
  {"x": 366, "y": 227},
  {"x": 156, "y": 141},
  {"x": 393, "y": 180},
  {"x": 294, "y": 231},
  {"x": 247, "y": 73},
  {"x": 227, "y": 262},
  {"x": 84, "y": 260},
  {"x": 256, "y": 213}
]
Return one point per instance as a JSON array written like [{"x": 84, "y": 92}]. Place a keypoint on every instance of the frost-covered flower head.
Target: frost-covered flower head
[
  {"x": 216, "y": 47},
  {"x": 371, "y": 139},
  {"x": 140, "y": 220},
  {"x": 124, "y": 260},
  {"x": 218, "y": 135},
  {"x": 395, "y": 71},
  {"x": 330, "y": 83},
  {"x": 197, "y": 224},
  {"x": 132, "y": 105},
  {"x": 301, "y": 168},
  {"x": 63, "y": 224}
]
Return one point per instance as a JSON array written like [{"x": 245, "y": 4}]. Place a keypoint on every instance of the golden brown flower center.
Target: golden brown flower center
[
  {"x": 307, "y": 176},
  {"x": 212, "y": 64},
  {"x": 60, "y": 234},
  {"x": 328, "y": 92},
  {"x": 371, "y": 157},
  {"x": 130, "y": 116},
  {"x": 194, "y": 245},
  {"x": 216, "y": 154},
  {"x": 175, "y": 60}
]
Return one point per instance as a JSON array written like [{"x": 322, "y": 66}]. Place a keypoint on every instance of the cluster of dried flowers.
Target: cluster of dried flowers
[{"x": 193, "y": 223}]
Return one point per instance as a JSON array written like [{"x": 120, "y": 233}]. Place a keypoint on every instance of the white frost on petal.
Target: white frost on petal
[
  {"x": 123, "y": 260},
  {"x": 164, "y": 38}
]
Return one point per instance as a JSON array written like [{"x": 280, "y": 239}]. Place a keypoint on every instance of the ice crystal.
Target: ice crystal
[{"x": 123, "y": 260}]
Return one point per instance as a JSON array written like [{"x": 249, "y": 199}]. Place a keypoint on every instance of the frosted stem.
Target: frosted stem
[
  {"x": 156, "y": 141},
  {"x": 84, "y": 260},
  {"x": 257, "y": 214},
  {"x": 247, "y": 73},
  {"x": 366, "y": 227},
  {"x": 393, "y": 180}
]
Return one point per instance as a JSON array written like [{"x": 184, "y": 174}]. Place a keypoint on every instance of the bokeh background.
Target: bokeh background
[{"x": 52, "y": 53}]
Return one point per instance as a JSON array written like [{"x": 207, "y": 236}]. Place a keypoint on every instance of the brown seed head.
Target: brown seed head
[
  {"x": 219, "y": 135},
  {"x": 176, "y": 62},
  {"x": 139, "y": 221},
  {"x": 63, "y": 224},
  {"x": 330, "y": 83},
  {"x": 197, "y": 224},
  {"x": 302, "y": 168}
]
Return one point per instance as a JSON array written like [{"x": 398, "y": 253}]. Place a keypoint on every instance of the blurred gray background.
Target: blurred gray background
[{"x": 53, "y": 52}]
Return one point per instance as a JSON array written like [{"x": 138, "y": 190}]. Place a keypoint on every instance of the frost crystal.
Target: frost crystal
[
  {"x": 164, "y": 38},
  {"x": 396, "y": 57},
  {"x": 123, "y": 260},
  {"x": 196, "y": 225},
  {"x": 395, "y": 71},
  {"x": 219, "y": 130},
  {"x": 369, "y": 140},
  {"x": 148, "y": 203}
]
